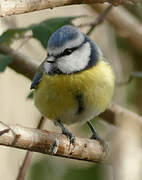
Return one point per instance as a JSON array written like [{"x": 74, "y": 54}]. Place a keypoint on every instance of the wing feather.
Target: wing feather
[{"x": 37, "y": 77}]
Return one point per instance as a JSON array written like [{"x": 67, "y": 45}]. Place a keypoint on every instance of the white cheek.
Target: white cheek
[{"x": 77, "y": 61}]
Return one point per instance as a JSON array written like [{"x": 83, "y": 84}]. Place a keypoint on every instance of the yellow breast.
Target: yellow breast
[{"x": 55, "y": 95}]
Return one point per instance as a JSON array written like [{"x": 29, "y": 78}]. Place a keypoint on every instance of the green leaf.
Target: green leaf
[
  {"x": 11, "y": 34},
  {"x": 4, "y": 62},
  {"x": 30, "y": 95},
  {"x": 41, "y": 31}
]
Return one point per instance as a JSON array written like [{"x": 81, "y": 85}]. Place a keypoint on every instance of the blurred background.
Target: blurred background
[{"x": 15, "y": 108}]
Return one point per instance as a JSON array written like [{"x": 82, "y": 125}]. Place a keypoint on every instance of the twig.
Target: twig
[
  {"x": 116, "y": 115},
  {"x": 24, "y": 6},
  {"x": 101, "y": 17},
  {"x": 45, "y": 142},
  {"x": 25, "y": 165},
  {"x": 4, "y": 131},
  {"x": 127, "y": 150},
  {"x": 8, "y": 128},
  {"x": 28, "y": 156},
  {"x": 126, "y": 25}
]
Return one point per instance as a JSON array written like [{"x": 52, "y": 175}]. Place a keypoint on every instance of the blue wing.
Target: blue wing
[{"x": 37, "y": 77}]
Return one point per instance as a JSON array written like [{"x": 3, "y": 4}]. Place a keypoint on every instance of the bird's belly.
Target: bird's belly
[
  {"x": 56, "y": 96},
  {"x": 57, "y": 104}
]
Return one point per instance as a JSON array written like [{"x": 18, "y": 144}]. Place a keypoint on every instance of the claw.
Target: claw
[
  {"x": 71, "y": 137},
  {"x": 66, "y": 132},
  {"x": 55, "y": 146}
]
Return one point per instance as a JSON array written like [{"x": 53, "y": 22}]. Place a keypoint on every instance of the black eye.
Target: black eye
[{"x": 67, "y": 52}]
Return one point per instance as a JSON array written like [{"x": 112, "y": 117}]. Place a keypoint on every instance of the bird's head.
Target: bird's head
[{"x": 70, "y": 51}]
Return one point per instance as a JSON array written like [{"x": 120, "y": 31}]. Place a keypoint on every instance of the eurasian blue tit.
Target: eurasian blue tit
[{"x": 74, "y": 83}]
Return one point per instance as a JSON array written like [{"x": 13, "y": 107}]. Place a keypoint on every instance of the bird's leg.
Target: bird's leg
[
  {"x": 95, "y": 135},
  {"x": 66, "y": 132}
]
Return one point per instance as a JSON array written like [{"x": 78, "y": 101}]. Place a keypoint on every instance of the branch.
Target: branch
[
  {"x": 13, "y": 7},
  {"x": 101, "y": 17},
  {"x": 28, "y": 157},
  {"x": 125, "y": 24},
  {"x": 21, "y": 64},
  {"x": 25, "y": 165},
  {"x": 4, "y": 131},
  {"x": 44, "y": 142},
  {"x": 116, "y": 115}
]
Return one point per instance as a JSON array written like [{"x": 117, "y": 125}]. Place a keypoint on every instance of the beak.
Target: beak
[{"x": 50, "y": 59}]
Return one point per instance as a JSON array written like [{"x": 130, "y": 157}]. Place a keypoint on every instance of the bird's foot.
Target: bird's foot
[
  {"x": 97, "y": 137},
  {"x": 54, "y": 147},
  {"x": 66, "y": 132},
  {"x": 72, "y": 138}
]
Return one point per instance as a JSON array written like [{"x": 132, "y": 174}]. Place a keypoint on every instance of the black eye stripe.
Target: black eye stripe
[{"x": 67, "y": 52}]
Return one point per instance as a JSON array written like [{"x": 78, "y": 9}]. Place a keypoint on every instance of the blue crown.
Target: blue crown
[{"x": 63, "y": 35}]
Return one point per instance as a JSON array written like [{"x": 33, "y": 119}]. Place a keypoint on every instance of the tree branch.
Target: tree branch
[
  {"x": 25, "y": 165},
  {"x": 45, "y": 142},
  {"x": 21, "y": 64},
  {"x": 101, "y": 17},
  {"x": 116, "y": 115},
  {"x": 28, "y": 157},
  {"x": 13, "y": 7},
  {"x": 4, "y": 131},
  {"x": 125, "y": 24}
]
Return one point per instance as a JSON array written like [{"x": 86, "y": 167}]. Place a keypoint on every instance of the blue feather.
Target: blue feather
[
  {"x": 62, "y": 36},
  {"x": 37, "y": 77}
]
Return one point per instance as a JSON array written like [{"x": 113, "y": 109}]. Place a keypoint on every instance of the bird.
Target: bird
[{"x": 75, "y": 83}]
